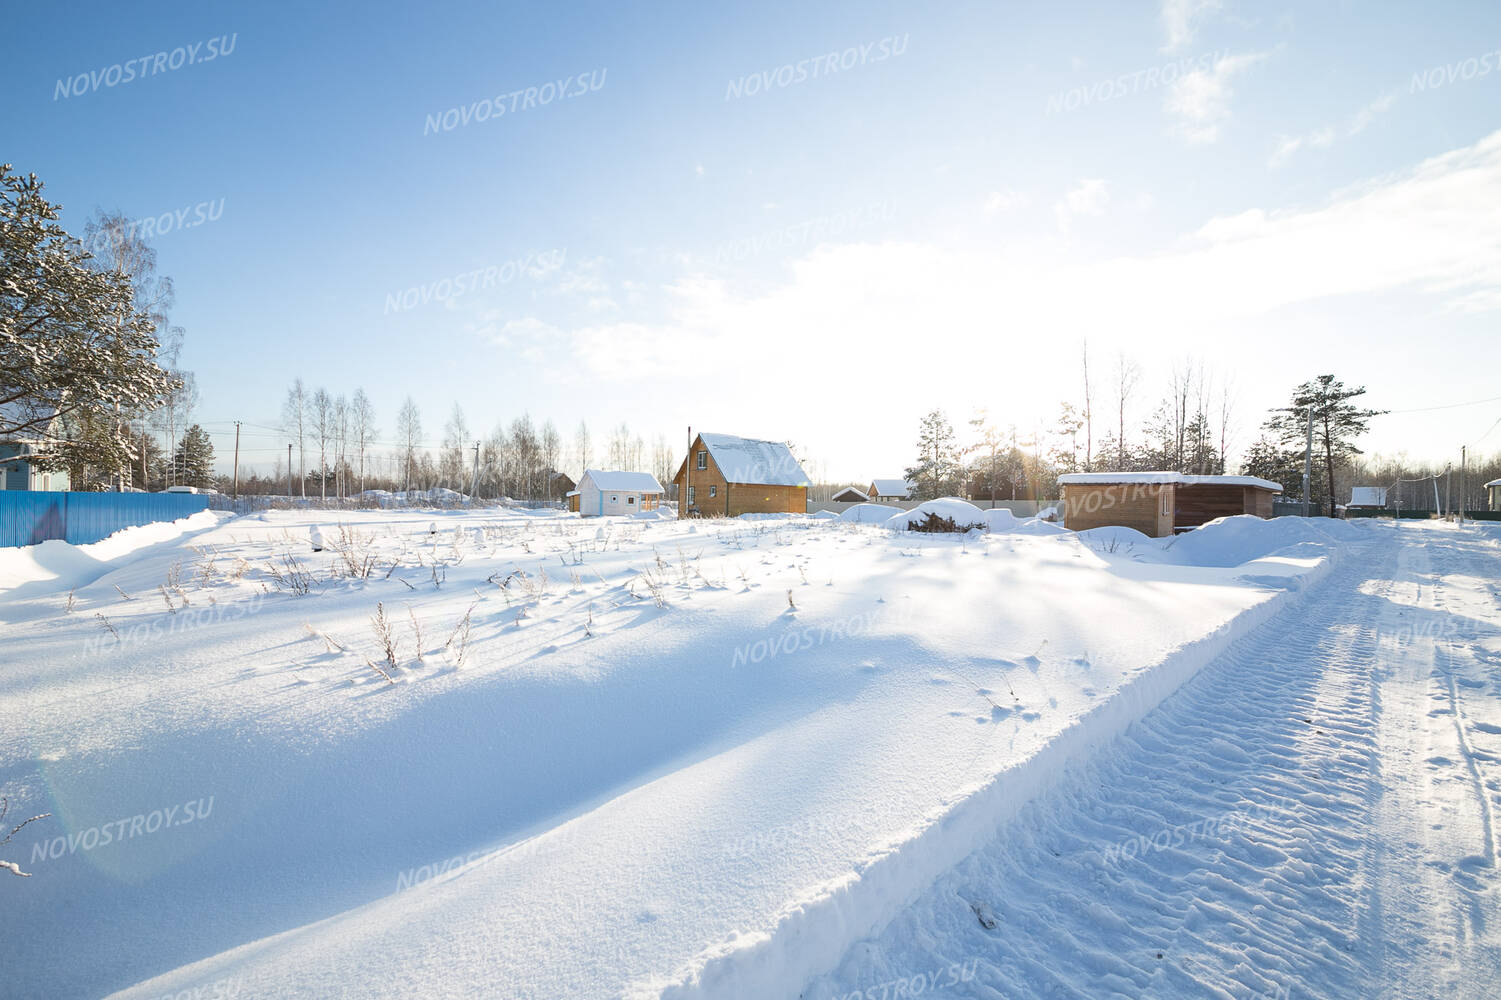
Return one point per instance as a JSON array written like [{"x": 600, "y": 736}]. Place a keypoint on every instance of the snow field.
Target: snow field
[
  {"x": 1311, "y": 815},
  {"x": 662, "y": 758}
]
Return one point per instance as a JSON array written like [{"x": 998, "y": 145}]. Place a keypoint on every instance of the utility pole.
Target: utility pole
[
  {"x": 687, "y": 475},
  {"x": 1448, "y": 490},
  {"x": 236, "y": 493},
  {"x": 1308, "y": 463},
  {"x": 1435, "y": 495},
  {"x": 1463, "y": 484},
  {"x": 474, "y": 490},
  {"x": 289, "y": 470}
]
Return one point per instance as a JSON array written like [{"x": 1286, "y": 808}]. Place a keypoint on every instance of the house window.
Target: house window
[
  {"x": 713, "y": 492},
  {"x": 690, "y": 495},
  {"x": 630, "y": 501},
  {"x": 703, "y": 460},
  {"x": 1167, "y": 509},
  {"x": 614, "y": 499}
]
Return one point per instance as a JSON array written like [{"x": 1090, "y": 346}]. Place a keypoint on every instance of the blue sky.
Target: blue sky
[{"x": 824, "y": 258}]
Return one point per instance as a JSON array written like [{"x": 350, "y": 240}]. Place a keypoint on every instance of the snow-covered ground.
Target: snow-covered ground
[
  {"x": 724, "y": 758},
  {"x": 1313, "y": 815}
]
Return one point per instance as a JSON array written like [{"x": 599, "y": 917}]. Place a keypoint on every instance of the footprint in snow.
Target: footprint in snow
[{"x": 985, "y": 915}]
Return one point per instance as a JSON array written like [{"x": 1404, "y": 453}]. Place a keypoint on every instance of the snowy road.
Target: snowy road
[{"x": 1313, "y": 815}]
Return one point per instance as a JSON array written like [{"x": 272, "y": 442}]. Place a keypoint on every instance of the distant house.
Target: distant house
[
  {"x": 850, "y": 495},
  {"x": 17, "y": 469},
  {"x": 612, "y": 491},
  {"x": 886, "y": 490},
  {"x": 559, "y": 485},
  {"x": 1159, "y": 503},
  {"x": 730, "y": 476},
  {"x": 1367, "y": 496},
  {"x": 1493, "y": 494}
]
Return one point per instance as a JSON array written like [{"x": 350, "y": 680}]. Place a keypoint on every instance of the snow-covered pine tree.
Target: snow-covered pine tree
[
  {"x": 194, "y": 459},
  {"x": 938, "y": 470},
  {"x": 56, "y": 309}
]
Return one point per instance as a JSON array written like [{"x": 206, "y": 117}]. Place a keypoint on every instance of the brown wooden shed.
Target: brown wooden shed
[
  {"x": 1160, "y": 503},
  {"x": 735, "y": 475}
]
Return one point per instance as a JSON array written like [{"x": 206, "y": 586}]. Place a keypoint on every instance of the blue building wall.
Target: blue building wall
[
  {"x": 19, "y": 473},
  {"x": 27, "y": 518}
]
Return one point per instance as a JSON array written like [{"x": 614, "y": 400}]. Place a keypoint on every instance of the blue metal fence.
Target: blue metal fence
[{"x": 27, "y": 518}]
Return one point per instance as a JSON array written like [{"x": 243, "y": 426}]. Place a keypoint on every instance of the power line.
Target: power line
[
  {"x": 1445, "y": 406},
  {"x": 1486, "y": 434}
]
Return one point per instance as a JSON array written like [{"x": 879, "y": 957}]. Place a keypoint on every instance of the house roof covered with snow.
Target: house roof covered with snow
[
  {"x": 623, "y": 482},
  {"x": 850, "y": 493},
  {"x": 893, "y": 487},
  {"x": 1162, "y": 478},
  {"x": 753, "y": 461},
  {"x": 1493, "y": 482}
]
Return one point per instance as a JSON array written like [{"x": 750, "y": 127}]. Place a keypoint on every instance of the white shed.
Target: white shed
[{"x": 611, "y": 491}]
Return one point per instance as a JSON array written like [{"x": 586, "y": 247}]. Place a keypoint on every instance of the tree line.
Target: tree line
[
  {"x": 338, "y": 450},
  {"x": 1192, "y": 428}
]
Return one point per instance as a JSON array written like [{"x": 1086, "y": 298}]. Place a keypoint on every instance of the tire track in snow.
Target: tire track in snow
[{"x": 1249, "y": 797}]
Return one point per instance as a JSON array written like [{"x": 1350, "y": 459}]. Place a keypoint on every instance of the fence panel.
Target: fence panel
[{"x": 27, "y": 518}]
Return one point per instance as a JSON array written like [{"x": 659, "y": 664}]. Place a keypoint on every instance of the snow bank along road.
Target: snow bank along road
[
  {"x": 1313, "y": 815},
  {"x": 607, "y": 758}
]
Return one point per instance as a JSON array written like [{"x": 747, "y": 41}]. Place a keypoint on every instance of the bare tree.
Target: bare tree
[
  {"x": 455, "y": 438},
  {"x": 525, "y": 453},
  {"x": 1127, "y": 374},
  {"x": 408, "y": 436},
  {"x": 582, "y": 451},
  {"x": 620, "y": 447},
  {"x": 362, "y": 415},
  {"x": 294, "y": 417},
  {"x": 322, "y": 407},
  {"x": 661, "y": 459},
  {"x": 552, "y": 447},
  {"x": 180, "y": 402},
  {"x": 1226, "y": 414},
  {"x": 1088, "y": 414},
  {"x": 341, "y": 446}
]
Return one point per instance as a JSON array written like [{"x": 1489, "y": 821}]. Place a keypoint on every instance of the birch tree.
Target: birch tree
[{"x": 294, "y": 418}]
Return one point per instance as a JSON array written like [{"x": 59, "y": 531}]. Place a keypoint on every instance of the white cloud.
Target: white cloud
[
  {"x": 858, "y": 315},
  {"x": 1325, "y": 137},
  {"x": 1088, "y": 197},
  {"x": 1435, "y": 229},
  {"x": 1368, "y": 114},
  {"x": 1004, "y": 201},
  {"x": 1200, "y": 100},
  {"x": 1180, "y": 18}
]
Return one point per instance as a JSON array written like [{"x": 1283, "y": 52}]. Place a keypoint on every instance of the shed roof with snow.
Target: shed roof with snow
[
  {"x": 623, "y": 482},
  {"x": 893, "y": 487},
  {"x": 753, "y": 461}
]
